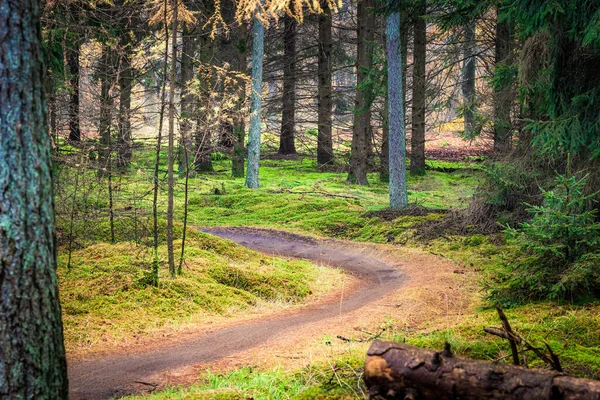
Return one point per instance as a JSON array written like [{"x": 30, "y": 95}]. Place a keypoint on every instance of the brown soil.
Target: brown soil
[{"x": 433, "y": 292}]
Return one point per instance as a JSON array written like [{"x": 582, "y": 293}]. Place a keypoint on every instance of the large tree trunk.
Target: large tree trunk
[
  {"x": 362, "y": 105},
  {"x": 286, "y": 141},
  {"x": 32, "y": 354},
  {"x": 73, "y": 67},
  {"x": 397, "y": 135},
  {"x": 324, "y": 138},
  {"x": 503, "y": 92},
  {"x": 258, "y": 51},
  {"x": 400, "y": 371},
  {"x": 468, "y": 78},
  {"x": 239, "y": 129},
  {"x": 417, "y": 140}
]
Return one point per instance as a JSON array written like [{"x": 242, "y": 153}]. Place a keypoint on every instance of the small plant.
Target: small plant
[{"x": 558, "y": 255}]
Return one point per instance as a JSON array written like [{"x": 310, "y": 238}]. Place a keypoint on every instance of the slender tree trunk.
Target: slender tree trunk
[
  {"x": 258, "y": 51},
  {"x": 384, "y": 175},
  {"x": 202, "y": 161},
  {"x": 106, "y": 104},
  {"x": 397, "y": 136},
  {"x": 468, "y": 79},
  {"x": 324, "y": 138},
  {"x": 171, "y": 149},
  {"x": 384, "y": 172},
  {"x": 187, "y": 100},
  {"x": 52, "y": 109},
  {"x": 503, "y": 91},
  {"x": 125, "y": 84},
  {"x": 417, "y": 149},
  {"x": 161, "y": 118},
  {"x": 237, "y": 161},
  {"x": 362, "y": 107},
  {"x": 32, "y": 354},
  {"x": 73, "y": 66},
  {"x": 288, "y": 113}
]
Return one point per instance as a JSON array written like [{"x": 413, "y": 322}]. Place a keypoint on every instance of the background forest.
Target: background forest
[{"x": 466, "y": 129}]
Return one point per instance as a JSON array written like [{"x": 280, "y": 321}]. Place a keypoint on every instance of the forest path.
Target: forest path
[{"x": 115, "y": 375}]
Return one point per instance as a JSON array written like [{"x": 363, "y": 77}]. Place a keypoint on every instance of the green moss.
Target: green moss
[{"x": 104, "y": 295}]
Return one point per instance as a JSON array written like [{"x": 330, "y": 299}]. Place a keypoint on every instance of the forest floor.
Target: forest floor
[
  {"x": 111, "y": 311},
  {"x": 423, "y": 286}
]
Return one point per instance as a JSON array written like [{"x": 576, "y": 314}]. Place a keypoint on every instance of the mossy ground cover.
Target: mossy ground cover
[{"x": 107, "y": 299}]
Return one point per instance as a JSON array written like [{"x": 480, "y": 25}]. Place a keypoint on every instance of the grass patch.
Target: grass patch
[
  {"x": 339, "y": 380},
  {"x": 294, "y": 196},
  {"x": 572, "y": 331},
  {"x": 105, "y": 298}
]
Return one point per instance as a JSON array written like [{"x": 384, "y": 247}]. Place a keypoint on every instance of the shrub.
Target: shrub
[{"x": 558, "y": 255}]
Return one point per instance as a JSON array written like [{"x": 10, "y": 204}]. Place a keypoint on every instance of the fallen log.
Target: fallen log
[{"x": 399, "y": 371}]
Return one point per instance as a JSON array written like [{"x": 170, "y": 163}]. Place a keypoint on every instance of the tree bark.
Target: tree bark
[
  {"x": 171, "y": 148},
  {"x": 239, "y": 129},
  {"x": 400, "y": 371},
  {"x": 362, "y": 105},
  {"x": 202, "y": 161},
  {"x": 32, "y": 354},
  {"x": 384, "y": 173},
  {"x": 503, "y": 92},
  {"x": 106, "y": 103},
  {"x": 187, "y": 99},
  {"x": 258, "y": 51},
  {"x": 125, "y": 84},
  {"x": 73, "y": 67},
  {"x": 324, "y": 137},
  {"x": 417, "y": 140},
  {"x": 286, "y": 140},
  {"x": 468, "y": 79},
  {"x": 397, "y": 133}
]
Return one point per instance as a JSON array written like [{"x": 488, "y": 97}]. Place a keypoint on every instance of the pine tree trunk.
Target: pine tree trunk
[
  {"x": 362, "y": 107},
  {"x": 32, "y": 354},
  {"x": 324, "y": 138},
  {"x": 397, "y": 136},
  {"x": 258, "y": 51},
  {"x": 503, "y": 92},
  {"x": 384, "y": 173},
  {"x": 187, "y": 99},
  {"x": 202, "y": 161},
  {"x": 286, "y": 141},
  {"x": 468, "y": 79},
  {"x": 73, "y": 67},
  {"x": 171, "y": 148},
  {"x": 125, "y": 84},
  {"x": 239, "y": 129},
  {"x": 417, "y": 149},
  {"x": 106, "y": 104}
]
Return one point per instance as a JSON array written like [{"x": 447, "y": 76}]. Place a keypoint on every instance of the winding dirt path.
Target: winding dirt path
[{"x": 115, "y": 375}]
